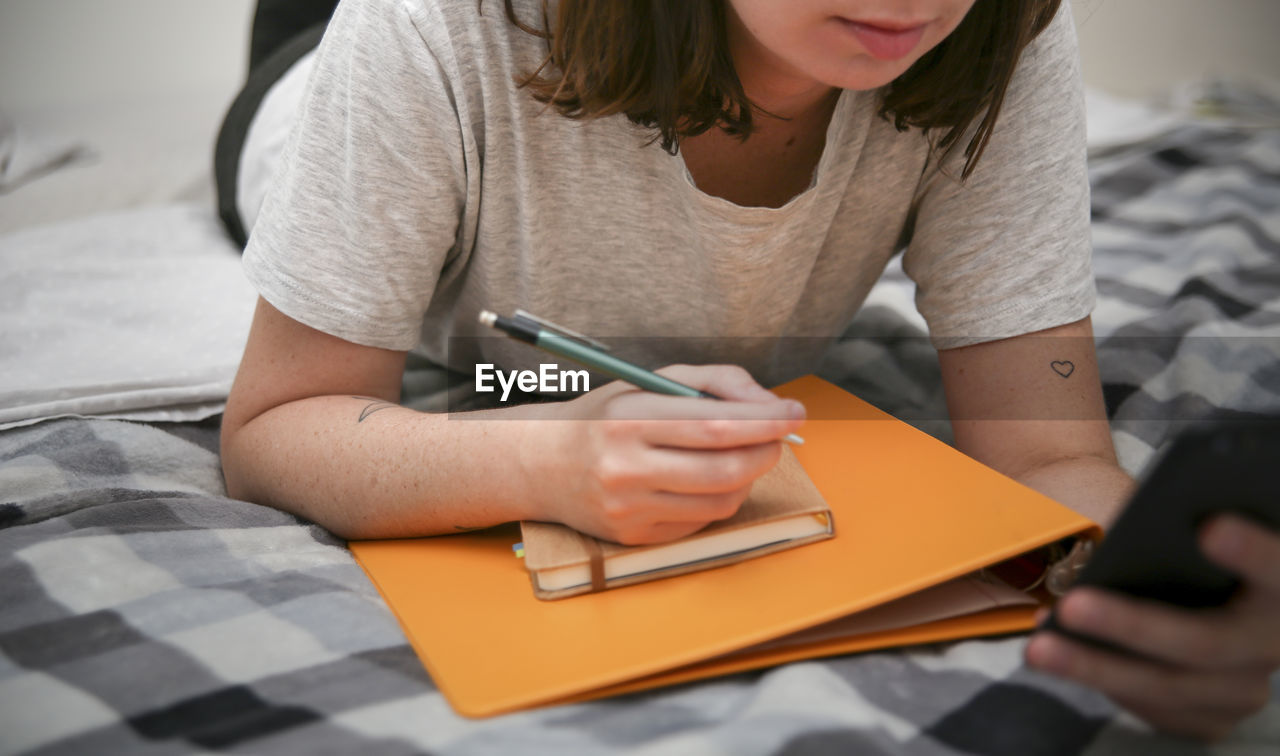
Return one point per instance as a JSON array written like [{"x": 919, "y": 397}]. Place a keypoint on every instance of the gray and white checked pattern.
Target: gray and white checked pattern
[{"x": 142, "y": 611}]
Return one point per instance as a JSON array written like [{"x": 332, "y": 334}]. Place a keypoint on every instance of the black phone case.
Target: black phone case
[{"x": 1152, "y": 551}]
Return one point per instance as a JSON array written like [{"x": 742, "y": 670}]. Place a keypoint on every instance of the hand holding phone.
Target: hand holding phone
[
  {"x": 1152, "y": 551},
  {"x": 1179, "y": 609}
]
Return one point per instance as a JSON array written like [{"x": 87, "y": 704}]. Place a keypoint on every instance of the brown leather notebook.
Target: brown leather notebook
[{"x": 784, "y": 510}]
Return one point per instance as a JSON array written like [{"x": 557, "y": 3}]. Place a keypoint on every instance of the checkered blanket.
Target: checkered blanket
[{"x": 141, "y": 610}]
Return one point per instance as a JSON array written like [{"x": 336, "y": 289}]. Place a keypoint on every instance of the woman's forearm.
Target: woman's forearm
[
  {"x": 366, "y": 468},
  {"x": 1093, "y": 486}
]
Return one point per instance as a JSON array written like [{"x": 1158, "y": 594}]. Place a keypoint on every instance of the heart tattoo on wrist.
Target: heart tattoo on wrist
[{"x": 1063, "y": 368}]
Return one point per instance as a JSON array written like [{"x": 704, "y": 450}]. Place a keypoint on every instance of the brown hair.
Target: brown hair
[{"x": 666, "y": 65}]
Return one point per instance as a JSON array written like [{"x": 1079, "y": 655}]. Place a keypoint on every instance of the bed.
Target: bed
[{"x": 144, "y": 611}]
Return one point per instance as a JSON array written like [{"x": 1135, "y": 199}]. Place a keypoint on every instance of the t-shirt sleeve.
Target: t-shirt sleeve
[
  {"x": 1007, "y": 252},
  {"x": 364, "y": 210}
]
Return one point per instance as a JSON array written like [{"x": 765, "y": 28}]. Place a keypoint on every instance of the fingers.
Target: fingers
[
  {"x": 709, "y": 424},
  {"x": 664, "y": 516},
  {"x": 1247, "y": 549},
  {"x": 685, "y": 486},
  {"x": 658, "y": 532},
  {"x": 1196, "y": 703},
  {"x": 725, "y": 381},
  {"x": 642, "y": 405},
  {"x": 751, "y": 415},
  {"x": 690, "y": 423},
  {"x": 709, "y": 472},
  {"x": 1197, "y": 640},
  {"x": 1204, "y": 670}
]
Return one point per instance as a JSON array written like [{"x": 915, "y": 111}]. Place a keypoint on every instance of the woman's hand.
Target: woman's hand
[
  {"x": 636, "y": 467},
  {"x": 1208, "y": 669}
]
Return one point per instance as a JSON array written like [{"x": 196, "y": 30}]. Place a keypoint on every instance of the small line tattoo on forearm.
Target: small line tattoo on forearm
[
  {"x": 376, "y": 405},
  {"x": 1063, "y": 368}
]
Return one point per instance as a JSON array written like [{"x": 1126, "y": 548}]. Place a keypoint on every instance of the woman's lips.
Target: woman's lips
[{"x": 885, "y": 42}]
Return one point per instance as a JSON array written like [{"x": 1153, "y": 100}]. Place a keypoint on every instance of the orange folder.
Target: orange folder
[{"x": 910, "y": 513}]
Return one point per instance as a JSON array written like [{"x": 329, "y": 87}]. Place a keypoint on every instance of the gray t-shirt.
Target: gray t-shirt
[{"x": 420, "y": 186}]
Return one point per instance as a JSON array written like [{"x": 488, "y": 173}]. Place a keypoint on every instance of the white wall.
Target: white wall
[
  {"x": 1143, "y": 47},
  {"x": 140, "y": 86},
  {"x": 58, "y": 52}
]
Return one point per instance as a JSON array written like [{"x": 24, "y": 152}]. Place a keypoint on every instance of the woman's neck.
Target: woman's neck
[
  {"x": 772, "y": 85},
  {"x": 789, "y": 124}
]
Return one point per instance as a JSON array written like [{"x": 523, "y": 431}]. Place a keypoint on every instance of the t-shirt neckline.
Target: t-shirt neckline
[{"x": 747, "y": 213}]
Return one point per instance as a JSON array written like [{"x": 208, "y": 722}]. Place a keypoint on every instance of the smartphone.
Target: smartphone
[{"x": 1152, "y": 550}]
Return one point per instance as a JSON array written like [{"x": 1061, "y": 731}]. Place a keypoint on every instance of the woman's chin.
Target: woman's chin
[{"x": 862, "y": 73}]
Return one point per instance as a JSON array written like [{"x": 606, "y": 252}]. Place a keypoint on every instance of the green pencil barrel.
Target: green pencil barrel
[{"x": 610, "y": 365}]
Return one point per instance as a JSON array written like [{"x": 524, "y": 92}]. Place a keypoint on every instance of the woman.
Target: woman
[{"x": 741, "y": 170}]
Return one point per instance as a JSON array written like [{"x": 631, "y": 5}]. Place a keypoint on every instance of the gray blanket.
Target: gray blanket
[{"x": 143, "y": 611}]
